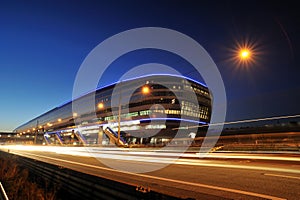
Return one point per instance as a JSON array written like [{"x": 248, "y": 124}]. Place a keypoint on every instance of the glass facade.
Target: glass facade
[{"x": 169, "y": 101}]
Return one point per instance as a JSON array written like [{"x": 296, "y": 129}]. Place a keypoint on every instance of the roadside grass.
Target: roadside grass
[{"x": 19, "y": 184}]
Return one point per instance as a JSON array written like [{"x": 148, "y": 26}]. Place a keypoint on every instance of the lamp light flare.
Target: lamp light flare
[
  {"x": 244, "y": 53},
  {"x": 146, "y": 90},
  {"x": 100, "y": 105}
]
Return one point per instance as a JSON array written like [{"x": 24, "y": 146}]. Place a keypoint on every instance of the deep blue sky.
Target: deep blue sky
[{"x": 43, "y": 43}]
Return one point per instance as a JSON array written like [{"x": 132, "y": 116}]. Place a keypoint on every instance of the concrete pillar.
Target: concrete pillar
[{"x": 100, "y": 135}]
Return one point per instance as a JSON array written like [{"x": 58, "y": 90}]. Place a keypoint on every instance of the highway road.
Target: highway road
[{"x": 217, "y": 176}]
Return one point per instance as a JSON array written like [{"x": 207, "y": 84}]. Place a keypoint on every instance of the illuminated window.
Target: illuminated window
[{"x": 145, "y": 112}]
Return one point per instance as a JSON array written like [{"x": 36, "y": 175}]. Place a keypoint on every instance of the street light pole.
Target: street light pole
[
  {"x": 119, "y": 115},
  {"x": 119, "y": 122},
  {"x": 36, "y": 131}
]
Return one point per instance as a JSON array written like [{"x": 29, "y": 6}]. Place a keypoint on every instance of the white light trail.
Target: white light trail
[
  {"x": 142, "y": 154},
  {"x": 231, "y": 190},
  {"x": 245, "y": 121}
]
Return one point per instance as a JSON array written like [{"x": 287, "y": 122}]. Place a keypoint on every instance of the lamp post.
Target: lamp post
[
  {"x": 100, "y": 106},
  {"x": 119, "y": 118},
  {"x": 36, "y": 130},
  {"x": 119, "y": 115}
]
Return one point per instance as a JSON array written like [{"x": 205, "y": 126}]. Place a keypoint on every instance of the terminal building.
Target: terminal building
[{"x": 144, "y": 110}]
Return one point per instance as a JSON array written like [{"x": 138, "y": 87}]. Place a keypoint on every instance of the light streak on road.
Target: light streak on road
[
  {"x": 283, "y": 176},
  {"x": 253, "y": 157},
  {"x": 240, "y": 192},
  {"x": 162, "y": 157},
  {"x": 94, "y": 151}
]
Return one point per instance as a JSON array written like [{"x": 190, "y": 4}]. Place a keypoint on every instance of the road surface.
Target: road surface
[{"x": 217, "y": 176}]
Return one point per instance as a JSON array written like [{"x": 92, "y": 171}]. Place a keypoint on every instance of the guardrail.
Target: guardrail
[{"x": 77, "y": 185}]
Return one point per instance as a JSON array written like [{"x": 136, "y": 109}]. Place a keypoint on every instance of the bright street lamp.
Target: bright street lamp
[{"x": 245, "y": 54}]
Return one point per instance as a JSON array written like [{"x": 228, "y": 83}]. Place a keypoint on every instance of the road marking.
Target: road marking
[
  {"x": 161, "y": 178},
  {"x": 283, "y": 176},
  {"x": 276, "y": 169}
]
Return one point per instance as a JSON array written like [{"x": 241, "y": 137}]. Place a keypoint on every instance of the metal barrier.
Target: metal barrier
[{"x": 77, "y": 185}]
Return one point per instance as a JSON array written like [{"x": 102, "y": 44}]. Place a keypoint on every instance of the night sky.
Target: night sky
[{"x": 43, "y": 43}]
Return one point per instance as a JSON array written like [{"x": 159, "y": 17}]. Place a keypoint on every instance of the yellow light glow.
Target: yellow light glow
[
  {"x": 145, "y": 90},
  {"x": 40, "y": 127},
  {"x": 28, "y": 131},
  {"x": 100, "y": 105},
  {"x": 75, "y": 114},
  {"x": 59, "y": 120},
  {"x": 33, "y": 129},
  {"x": 244, "y": 54}
]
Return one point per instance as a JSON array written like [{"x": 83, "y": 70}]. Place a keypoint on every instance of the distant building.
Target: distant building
[{"x": 158, "y": 106}]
